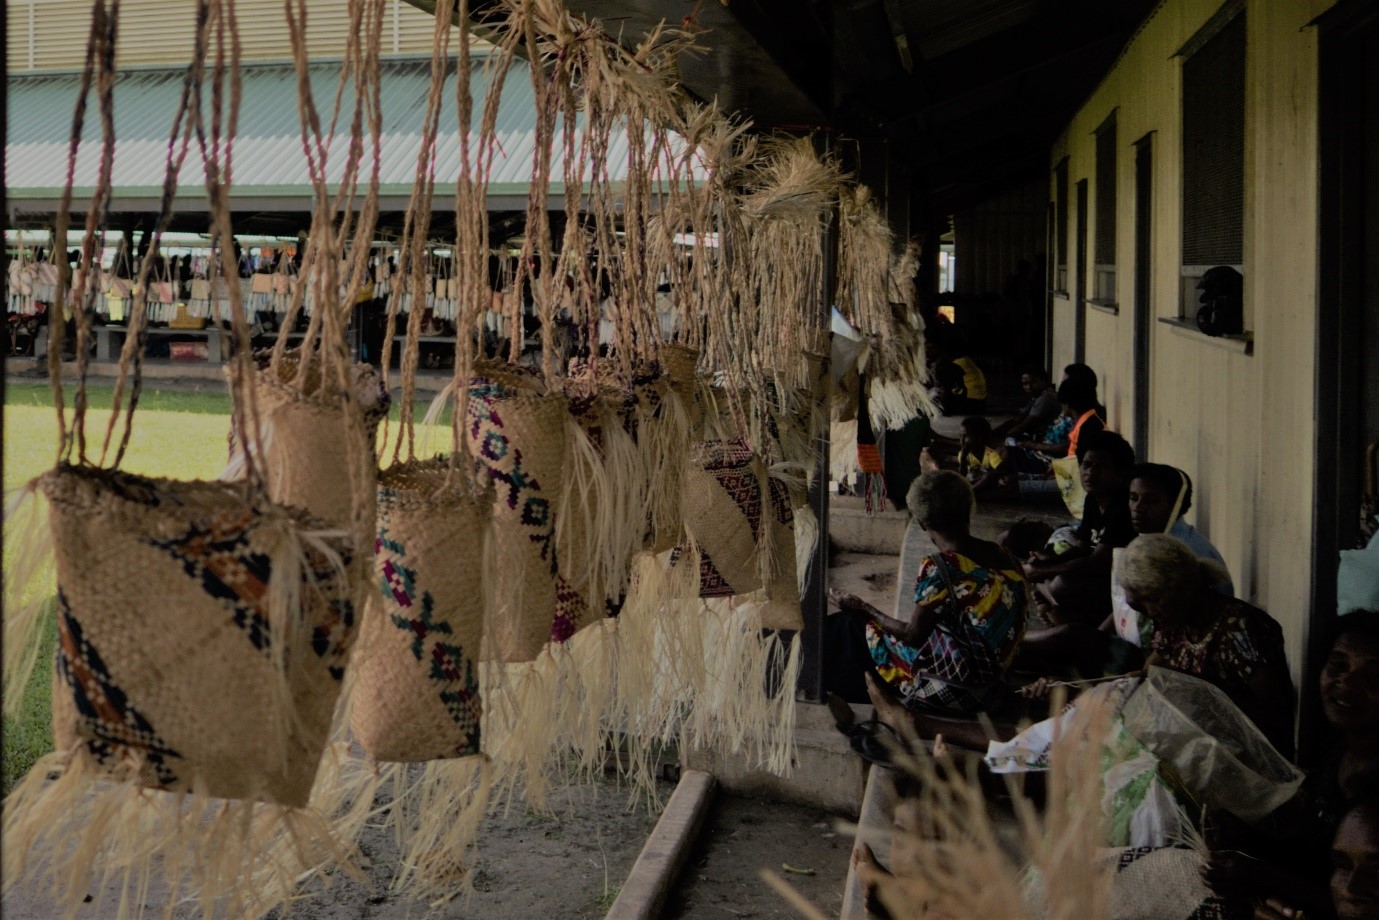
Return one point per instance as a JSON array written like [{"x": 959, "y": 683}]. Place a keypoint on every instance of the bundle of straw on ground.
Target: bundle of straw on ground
[{"x": 950, "y": 858}]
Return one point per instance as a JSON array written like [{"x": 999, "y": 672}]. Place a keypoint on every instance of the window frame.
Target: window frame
[
  {"x": 1060, "y": 228},
  {"x": 1103, "y": 286},
  {"x": 1189, "y": 274}
]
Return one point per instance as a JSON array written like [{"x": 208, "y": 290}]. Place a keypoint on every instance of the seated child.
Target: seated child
[
  {"x": 1076, "y": 584},
  {"x": 979, "y": 460}
]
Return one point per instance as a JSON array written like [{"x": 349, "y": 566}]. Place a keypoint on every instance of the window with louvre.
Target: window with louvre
[
  {"x": 1060, "y": 226},
  {"x": 1104, "y": 263},
  {"x": 1213, "y": 149}
]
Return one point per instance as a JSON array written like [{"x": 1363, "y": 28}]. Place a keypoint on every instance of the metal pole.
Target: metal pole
[{"x": 814, "y": 603}]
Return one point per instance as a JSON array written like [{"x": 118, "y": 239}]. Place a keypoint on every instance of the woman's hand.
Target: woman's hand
[
  {"x": 847, "y": 601},
  {"x": 1274, "y": 909},
  {"x": 1039, "y": 690}
]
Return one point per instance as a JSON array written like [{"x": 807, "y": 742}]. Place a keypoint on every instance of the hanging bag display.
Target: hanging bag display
[{"x": 203, "y": 632}]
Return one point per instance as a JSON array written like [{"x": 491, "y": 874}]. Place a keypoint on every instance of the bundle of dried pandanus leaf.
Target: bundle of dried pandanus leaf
[{"x": 950, "y": 859}]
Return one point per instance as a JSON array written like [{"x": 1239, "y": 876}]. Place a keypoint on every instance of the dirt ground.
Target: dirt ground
[{"x": 743, "y": 836}]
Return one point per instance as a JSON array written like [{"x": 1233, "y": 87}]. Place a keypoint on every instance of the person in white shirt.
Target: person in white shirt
[{"x": 1160, "y": 496}]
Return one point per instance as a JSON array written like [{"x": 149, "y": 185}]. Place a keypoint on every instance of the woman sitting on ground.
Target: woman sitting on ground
[
  {"x": 1202, "y": 632},
  {"x": 971, "y": 601},
  {"x": 1031, "y": 459},
  {"x": 1293, "y": 869}
]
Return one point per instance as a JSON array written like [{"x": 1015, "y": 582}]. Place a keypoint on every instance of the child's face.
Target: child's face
[{"x": 966, "y": 440}]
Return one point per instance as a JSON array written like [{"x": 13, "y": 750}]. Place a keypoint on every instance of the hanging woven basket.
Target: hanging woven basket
[
  {"x": 680, "y": 365},
  {"x": 416, "y": 679},
  {"x": 519, "y": 444},
  {"x": 741, "y": 521},
  {"x": 202, "y": 639},
  {"x": 305, "y": 435}
]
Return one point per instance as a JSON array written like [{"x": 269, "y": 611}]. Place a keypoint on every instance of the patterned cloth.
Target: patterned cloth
[
  {"x": 962, "y": 664},
  {"x": 1060, "y": 431},
  {"x": 1241, "y": 640}
]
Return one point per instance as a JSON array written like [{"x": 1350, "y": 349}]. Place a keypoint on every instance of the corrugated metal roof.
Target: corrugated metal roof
[{"x": 268, "y": 163}]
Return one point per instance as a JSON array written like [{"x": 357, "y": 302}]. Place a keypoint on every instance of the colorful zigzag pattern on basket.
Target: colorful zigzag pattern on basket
[{"x": 448, "y": 666}]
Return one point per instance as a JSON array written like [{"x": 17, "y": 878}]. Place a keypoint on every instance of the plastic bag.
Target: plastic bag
[
  {"x": 1127, "y": 620},
  {"x": 1069, "y": 479},
  {"x": 1357, "y": 579},
  {"x": 1215, "y": 752}
]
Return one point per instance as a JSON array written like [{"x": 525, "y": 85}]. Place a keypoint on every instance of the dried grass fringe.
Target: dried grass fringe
[
  {"x": 30, "y": 581},
  {"x": 703, "y": 671},
  {"x": 601, "y": 522},
  {"x": 80, "y": 831},
  {"x": 549, "y": 713},
  {"x": 663, "y": 441},
  {"x": 433, "y": 810},
  {"x": 670, "y": 668},
  {"x": 842, "y": 447},
  {"x": 806, "y": 542},
  {"x": 746, "y": 704}
]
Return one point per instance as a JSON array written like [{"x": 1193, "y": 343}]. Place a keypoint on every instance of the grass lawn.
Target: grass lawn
[{"x": 180, "y": 435}]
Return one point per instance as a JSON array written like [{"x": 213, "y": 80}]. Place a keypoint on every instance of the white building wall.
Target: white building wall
[{"x": 1242, "y": 424}]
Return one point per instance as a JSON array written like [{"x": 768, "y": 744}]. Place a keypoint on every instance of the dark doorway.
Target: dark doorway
[
  {"x": 1348, "y": 309},
  {"x": 1144, "y": 308},
  {"x": 1050, "y": 283},
  {"x": 1080, "y": 268}
]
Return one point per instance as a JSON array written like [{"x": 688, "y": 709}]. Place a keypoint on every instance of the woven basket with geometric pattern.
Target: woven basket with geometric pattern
[
  {"x": 519, "y": 444},
  {"x": 416, "y": 667},
  {"x": 202, "y": 640},
  {"x": 741, "y": 521}
]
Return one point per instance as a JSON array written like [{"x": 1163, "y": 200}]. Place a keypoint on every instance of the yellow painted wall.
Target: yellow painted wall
[
  {"x": 52, "y": 34},
  {"x": 1241, "y": 424},
  {"x": 1064, "y": 321}
]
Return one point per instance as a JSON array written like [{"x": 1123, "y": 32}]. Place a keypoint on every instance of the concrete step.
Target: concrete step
[{"x": 853, "y": 530}]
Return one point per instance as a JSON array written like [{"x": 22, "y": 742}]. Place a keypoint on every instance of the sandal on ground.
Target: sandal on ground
[
  {"x": 876, "y": 741},
  {"x": 873, "y": 739}
]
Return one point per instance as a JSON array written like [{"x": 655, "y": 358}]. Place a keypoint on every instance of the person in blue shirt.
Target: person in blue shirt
[{"x": 1160, "y": 496}]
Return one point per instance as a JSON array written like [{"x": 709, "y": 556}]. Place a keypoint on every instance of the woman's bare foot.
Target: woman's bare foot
[
  {"x": 869, "y": 875},
  {"x": 888, "y": 711}
]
